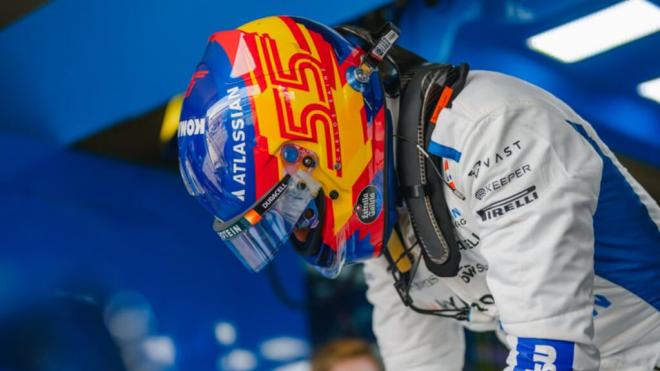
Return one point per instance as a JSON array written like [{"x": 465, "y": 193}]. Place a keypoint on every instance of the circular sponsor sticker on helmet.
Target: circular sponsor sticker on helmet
[{"x": 369, "y": 204}]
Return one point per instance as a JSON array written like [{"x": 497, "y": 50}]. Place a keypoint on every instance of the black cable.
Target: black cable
[{"x": 460, "y": 314}]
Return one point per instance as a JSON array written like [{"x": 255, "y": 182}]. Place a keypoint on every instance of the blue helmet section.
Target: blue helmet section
[{"x": 218, "y": 168}]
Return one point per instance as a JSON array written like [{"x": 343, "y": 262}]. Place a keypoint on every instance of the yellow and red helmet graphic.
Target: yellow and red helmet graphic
[{"x": 278, "y": 82}]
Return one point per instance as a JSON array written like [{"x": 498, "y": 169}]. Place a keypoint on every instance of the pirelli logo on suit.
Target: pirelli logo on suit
[{"x": 506, "y": 205}]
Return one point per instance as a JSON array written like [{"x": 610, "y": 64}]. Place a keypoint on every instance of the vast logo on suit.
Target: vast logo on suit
[{"x": 498, "y": 157}]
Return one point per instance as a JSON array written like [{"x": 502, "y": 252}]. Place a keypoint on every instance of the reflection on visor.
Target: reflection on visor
[{"x": 256, "y": 236}]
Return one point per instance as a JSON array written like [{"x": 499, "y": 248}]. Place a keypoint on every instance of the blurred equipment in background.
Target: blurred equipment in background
[
  {"x": 66, "y": 332},
  {"x": 344, "y": 298},
  {"x": 133, "y": 230},
  {"x": 146, "y": 139}
]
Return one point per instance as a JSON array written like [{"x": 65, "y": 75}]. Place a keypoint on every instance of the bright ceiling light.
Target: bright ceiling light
[
  {"x": 598, "y": 32},
  {"x": 650, "y": 89}
]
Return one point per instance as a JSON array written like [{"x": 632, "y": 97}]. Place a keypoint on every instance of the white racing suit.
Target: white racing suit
[{"x": 560, "y": 246}]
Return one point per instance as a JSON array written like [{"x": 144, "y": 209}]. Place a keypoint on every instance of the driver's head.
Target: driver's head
[{"x": 285, "y": 147}]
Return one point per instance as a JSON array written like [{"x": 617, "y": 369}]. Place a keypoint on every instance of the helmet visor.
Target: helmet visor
[{"x": 257, "y": 235}]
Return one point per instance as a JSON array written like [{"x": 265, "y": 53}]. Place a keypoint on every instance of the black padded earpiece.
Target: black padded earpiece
[{"x": 422, "y": 192}]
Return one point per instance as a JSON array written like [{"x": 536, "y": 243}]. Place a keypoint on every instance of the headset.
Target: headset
[
  {"x": 420, "y": 180},
  {"x": 419, "y": 85}
]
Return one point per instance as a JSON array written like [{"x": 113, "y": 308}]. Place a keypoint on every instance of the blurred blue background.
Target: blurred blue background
[{"x": 98, "y": 238}]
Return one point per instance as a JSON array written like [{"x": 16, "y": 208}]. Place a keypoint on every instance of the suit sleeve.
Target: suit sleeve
[
  {"x": 533, "y": 185},
  {"x": 408, "y": 340}
]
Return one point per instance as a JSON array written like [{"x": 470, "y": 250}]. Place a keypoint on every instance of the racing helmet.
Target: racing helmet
[{"x": 285, "y": 147}]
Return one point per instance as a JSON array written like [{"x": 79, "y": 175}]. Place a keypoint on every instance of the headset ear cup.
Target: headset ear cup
[
  {"x": 419, "y": 186},
  {"x": 314, "y": 240}
]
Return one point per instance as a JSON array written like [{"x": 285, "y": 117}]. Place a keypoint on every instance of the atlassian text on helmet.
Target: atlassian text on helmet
[{"x": 238, "y": 136}]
